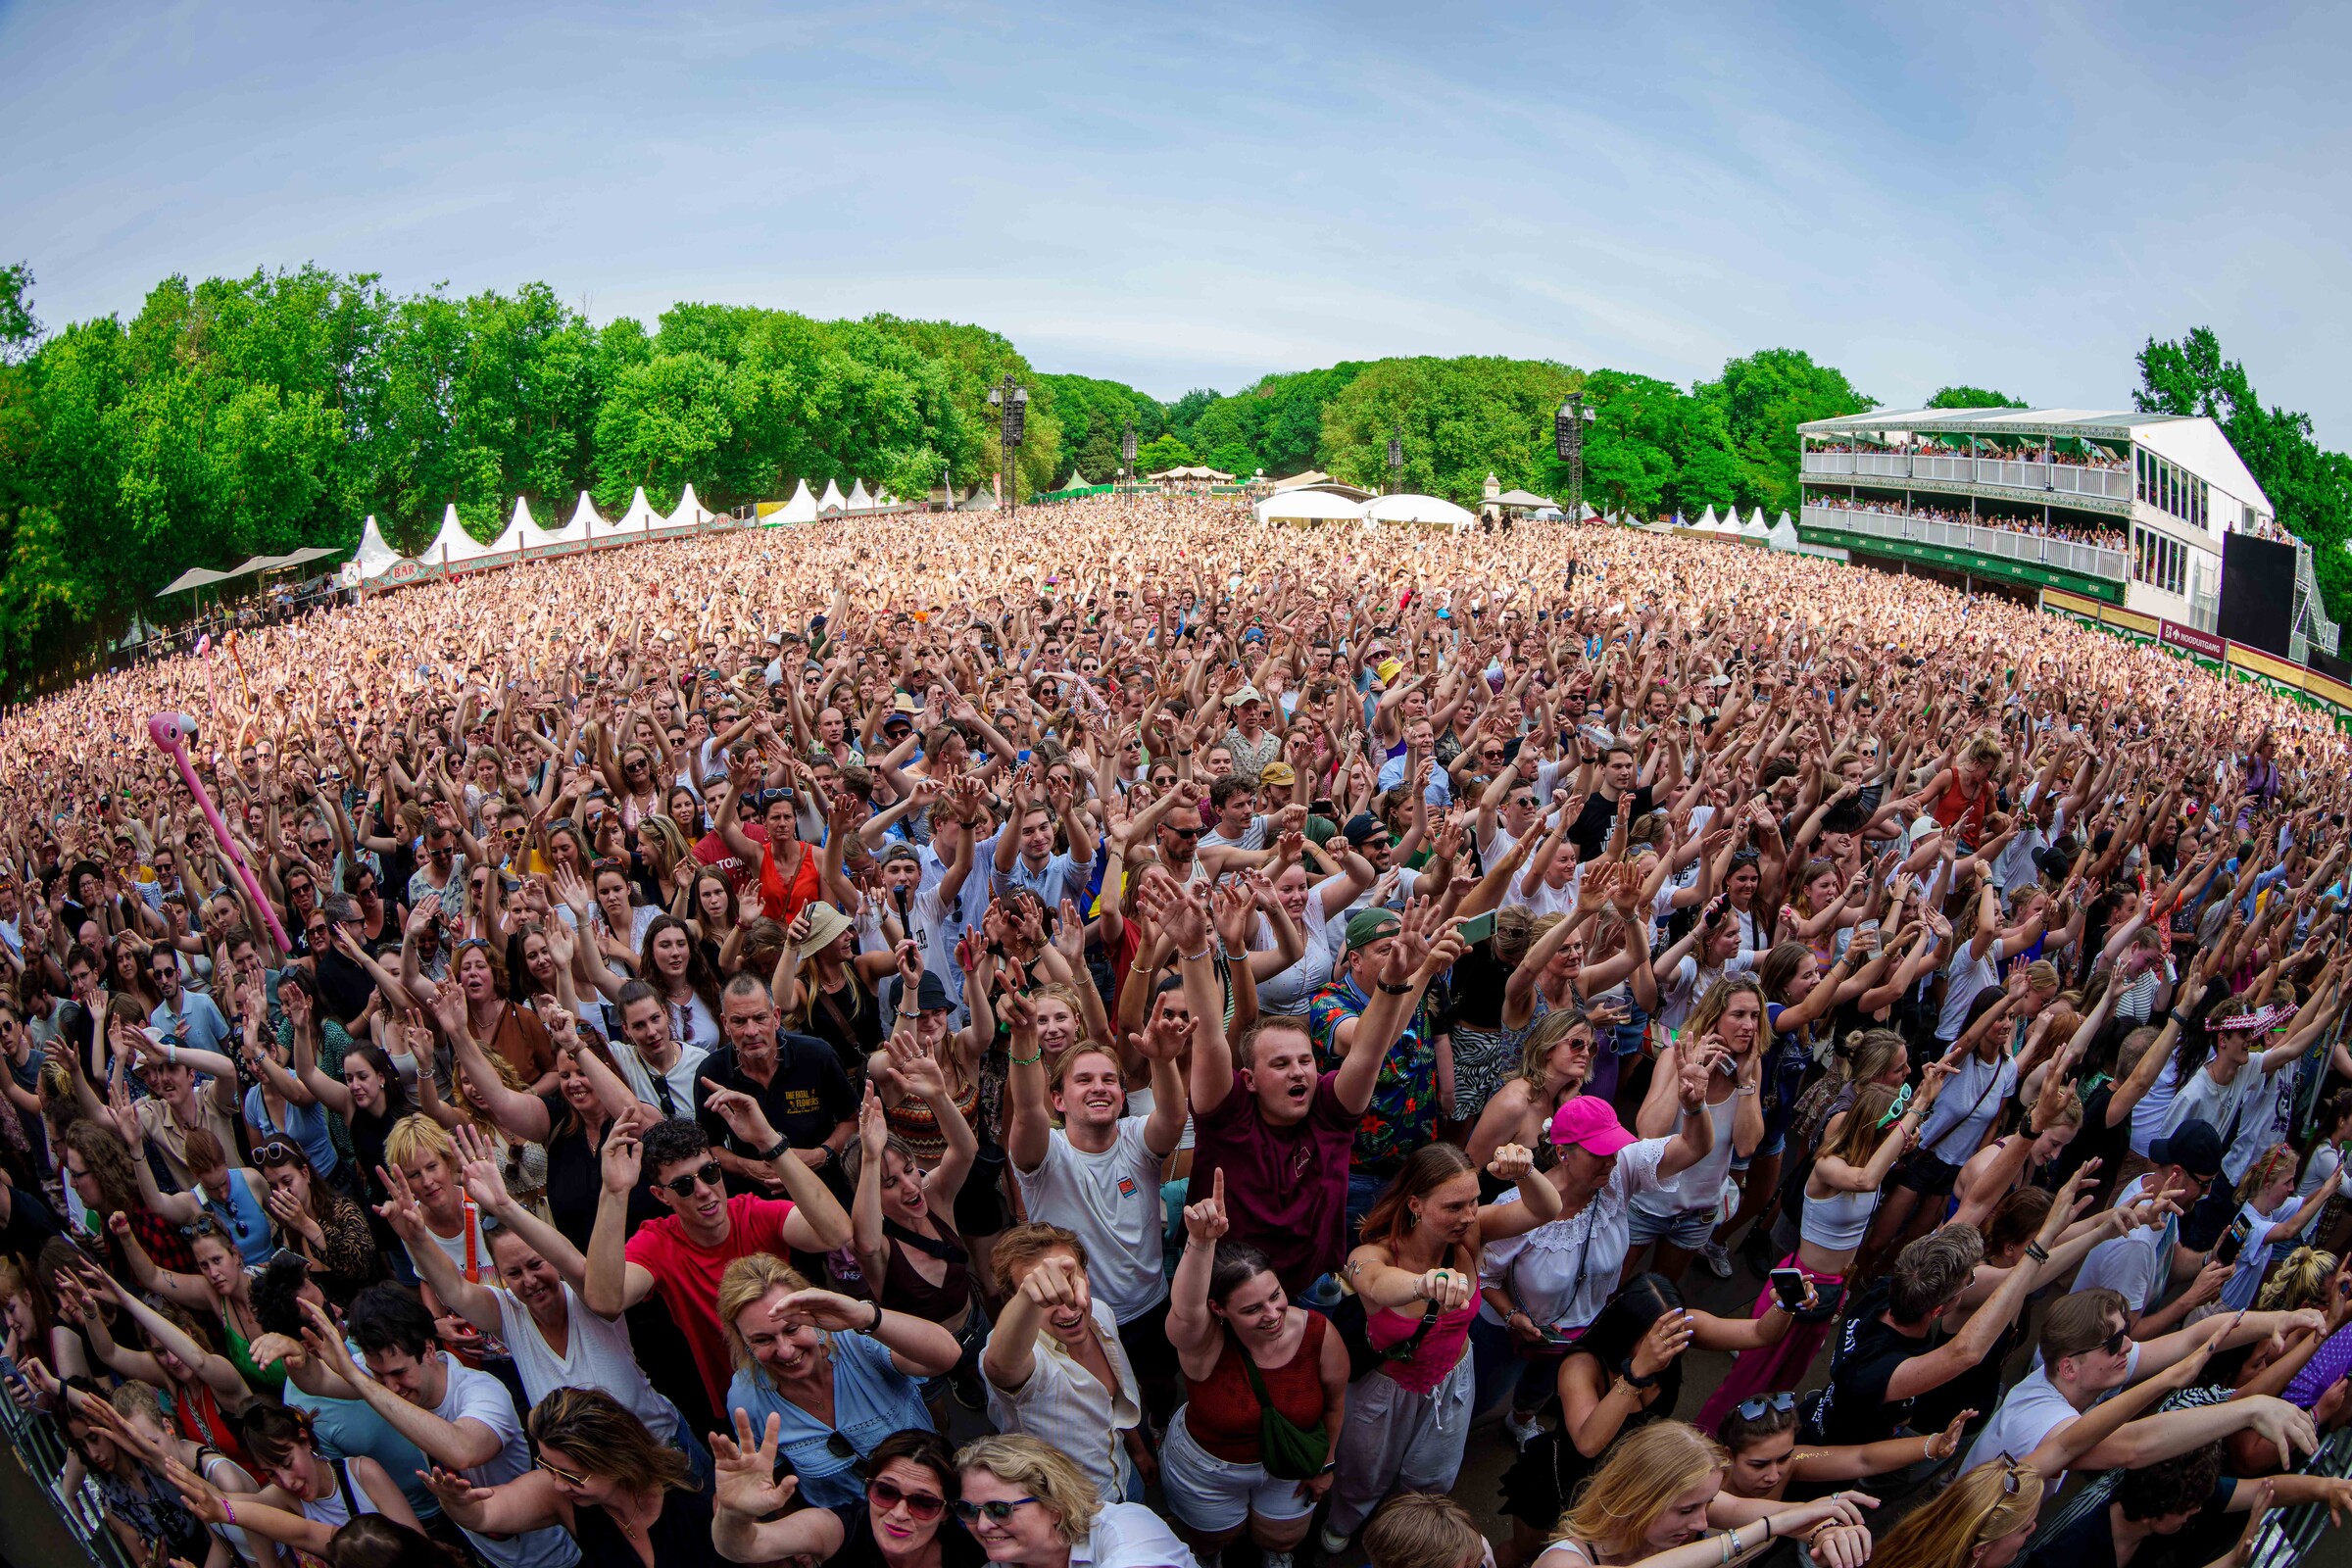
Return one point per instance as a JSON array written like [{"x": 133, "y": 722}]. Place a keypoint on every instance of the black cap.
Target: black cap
[{"x": 2194, "y": 1146}]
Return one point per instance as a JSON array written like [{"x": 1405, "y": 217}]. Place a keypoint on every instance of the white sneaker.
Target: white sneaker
[
  {"x": 1332, "y": 1545},
  {"x": 1278, "y": 1559},
  {"x": 1524, "y": 1429},
  {"x": 1717, "y": 1259}
]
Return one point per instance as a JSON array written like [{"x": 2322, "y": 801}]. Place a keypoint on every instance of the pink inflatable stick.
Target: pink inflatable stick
[{"x": 170, "y": 733}]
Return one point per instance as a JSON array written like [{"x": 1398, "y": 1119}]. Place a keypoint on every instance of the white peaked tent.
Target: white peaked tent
[
  {"x": 802, "y": 507},
  {"x": 515, "y": 535},
  {"x": 375, "y": 556},
  {"x": 1756, "y": 520},
  {"x": 691, "y": 513},
  {"x": 1706, "y": 524},
  {"x": 1417, "y": 509},
  {"x": 860, "y": 501},
  {"x": 585, "y": 523},
  {"x": 1309, "y": 505},
  {"x": 831, "y": 500},
  {"x": 452, "y": 545},
  {"x": 638, "y": 521},
  {"x": 1783, "y": 533}
]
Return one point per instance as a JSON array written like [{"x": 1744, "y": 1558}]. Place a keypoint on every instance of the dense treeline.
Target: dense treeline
[{"x": 256, "y": 415}]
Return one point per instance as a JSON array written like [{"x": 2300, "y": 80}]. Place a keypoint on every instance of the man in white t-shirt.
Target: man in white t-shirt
[
  {"x": 2143, "y": 1263},
  {"x": 461, "y": 1419},
  {"x": 1097, "y": 1174},
  {"x": 2085, "y": 1406}
]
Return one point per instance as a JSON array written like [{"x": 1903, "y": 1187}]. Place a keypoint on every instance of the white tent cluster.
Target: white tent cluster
[
  {"x": 1728, "y": 524},
  {"x": 524, "y": 537}
]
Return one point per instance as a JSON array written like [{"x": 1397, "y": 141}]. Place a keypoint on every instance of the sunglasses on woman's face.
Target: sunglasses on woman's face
[
  {"x": 921, "y": 1505},
  {"x": 564, "y": 1476},
  {"x": 707, "y": 1175},
  {"x": 994, "y": 1511}
]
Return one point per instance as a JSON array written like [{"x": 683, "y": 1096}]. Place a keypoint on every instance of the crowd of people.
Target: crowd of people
[
  {"x": 1125, "y": 1037},
  {"x": 2031, "y": 527},
  {"x": 2082, "y": 455}
]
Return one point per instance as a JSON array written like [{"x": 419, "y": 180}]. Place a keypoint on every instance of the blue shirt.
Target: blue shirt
[
  {"x": 871, "y": 1399},
  {"x": 304, "y": 1126},
  {"x": 204, "y": 1027}
]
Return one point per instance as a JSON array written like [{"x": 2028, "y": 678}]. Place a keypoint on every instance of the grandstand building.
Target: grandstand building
[{"x": 2130, "y": 510}]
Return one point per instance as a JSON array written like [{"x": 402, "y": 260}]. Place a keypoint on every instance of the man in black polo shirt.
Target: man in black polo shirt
[
  {"x": 1619, "y": 776},
  {"x": 796, "y": 1079}
]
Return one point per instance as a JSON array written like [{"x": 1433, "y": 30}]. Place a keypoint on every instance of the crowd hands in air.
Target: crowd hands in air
[{"x": 1219, "y": 1018}]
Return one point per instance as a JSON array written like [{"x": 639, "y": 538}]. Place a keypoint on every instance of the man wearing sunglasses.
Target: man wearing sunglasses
[
  {"x": 2084, "y": 1405},
  {"x": 684, "y": 1253}
]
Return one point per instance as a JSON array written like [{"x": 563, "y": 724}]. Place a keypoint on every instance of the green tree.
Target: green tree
[
  {"x": 18, "y": 330},
  {"x": 1763, "y": 400},
  {"x": 1974, "y": 397},
  {"x": 1165, "y": 453},
  {"x": 1461, "y": 419}
]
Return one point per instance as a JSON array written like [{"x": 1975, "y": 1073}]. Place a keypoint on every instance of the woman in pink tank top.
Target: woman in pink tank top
[{"x": 1416, "y": 1275}]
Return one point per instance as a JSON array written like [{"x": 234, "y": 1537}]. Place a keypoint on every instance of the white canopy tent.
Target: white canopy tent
[
  {"x": 1756, "y": 520},
  {"x": 638, "y": 519},
  {"x": 860, "y": 501},
  {"x": 802, "y": 507},
  {"x": 1309, "y": 505},
  {"x": 1783, "y": 533},
  {"x": 1706, "y": 524},
  {"x": 515, "y": 535},
  {"x": 831, "y": 500},
  {"x": 453, "y": 546},
  {"x": 690, "y": 512},
  {"x": 585, "y": 523},
  {"x": 1417, "y": 509},
  {"x": 375, "y": 556}
]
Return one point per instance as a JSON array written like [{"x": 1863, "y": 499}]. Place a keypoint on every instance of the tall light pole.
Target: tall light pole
[
  {"x": 1013, "y": 398},
  {"x": 1568, "y": 433},
  {"x": 1127, "y": 455},
  {"x": 1397, "y": 458}
]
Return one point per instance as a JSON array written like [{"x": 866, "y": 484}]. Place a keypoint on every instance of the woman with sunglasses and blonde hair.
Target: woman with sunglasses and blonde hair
[
  {"x": 1659, "y": 1502},
  {"x": 907, "y": 1519},
  {"x": 1982, "y": 1520},
  {"x": 1554, "y": 1061},
  {"x": 1030, "y": 1506},
  {"x": 625, "y": 1499}
]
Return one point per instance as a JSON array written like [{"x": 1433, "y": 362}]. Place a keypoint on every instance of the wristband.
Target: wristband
[
  {"x": 1387, "y": 990},
  {"x": 2035, "y": 1251},
  {"x": 1028, "y": 1061},
  {"x": 870, "y": 1328},
  {"x": 769, "y": 1156},
  {"x": 1187, "y": 957}
]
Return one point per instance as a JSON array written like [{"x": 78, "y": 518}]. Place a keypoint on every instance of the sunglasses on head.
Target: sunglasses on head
[
  {"x": 885, "y": 1495},
  {"x": 708, "y": 1173},
  {"x": 1755, "y": 1409},
  {"x": 273, "y": 1154}
]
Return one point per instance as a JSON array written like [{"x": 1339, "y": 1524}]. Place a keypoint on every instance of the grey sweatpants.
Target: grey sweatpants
[{"x": 1397, "y": 1440}]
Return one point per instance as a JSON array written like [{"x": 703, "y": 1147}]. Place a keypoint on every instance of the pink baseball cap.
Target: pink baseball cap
[{"x": 1588, "y": 1123}]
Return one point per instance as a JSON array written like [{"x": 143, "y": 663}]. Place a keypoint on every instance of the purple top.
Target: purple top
[{"x": 2321, "y": 1373}]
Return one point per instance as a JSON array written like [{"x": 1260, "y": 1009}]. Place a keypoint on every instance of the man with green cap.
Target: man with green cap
[{"x": 1406, "y": 1101}]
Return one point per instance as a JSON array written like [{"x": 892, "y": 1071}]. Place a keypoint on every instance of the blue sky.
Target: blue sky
[{"x": 1194, "y": 195}]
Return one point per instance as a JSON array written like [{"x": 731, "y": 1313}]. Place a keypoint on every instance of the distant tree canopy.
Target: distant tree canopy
[{"x": 1974, "y": 397}]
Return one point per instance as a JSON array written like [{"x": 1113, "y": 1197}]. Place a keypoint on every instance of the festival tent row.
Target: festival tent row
[{"x": 452, "y": 547}]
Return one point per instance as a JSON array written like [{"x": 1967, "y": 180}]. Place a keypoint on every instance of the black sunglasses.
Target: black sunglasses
[
  {"x": 1182, "y": 832},
  {"x": 708, "y": 1173}
]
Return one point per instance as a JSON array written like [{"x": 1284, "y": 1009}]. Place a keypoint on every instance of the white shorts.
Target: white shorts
[{"x": 1213, "y": 1496}]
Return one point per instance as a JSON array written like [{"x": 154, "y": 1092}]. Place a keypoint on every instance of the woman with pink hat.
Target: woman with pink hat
[{"x": 1543, "y": 1288}]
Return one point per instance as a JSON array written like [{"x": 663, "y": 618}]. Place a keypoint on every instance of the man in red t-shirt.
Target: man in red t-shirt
[{"x": 683, "y": 1253}]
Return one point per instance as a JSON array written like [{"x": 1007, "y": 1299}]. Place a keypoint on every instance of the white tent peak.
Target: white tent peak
[
  {"x": 690, "y": 513},
  {"x": 375, "y": 556},
  {"x": 802, "y": 507},
  {"x": 860, "y": 501},
  {"x": 831, "y": 500},
  {"x": 585, "y": 519}
]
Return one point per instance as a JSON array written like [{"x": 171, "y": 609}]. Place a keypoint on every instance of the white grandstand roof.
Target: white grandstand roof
[{"x": 2194, "y": 442}]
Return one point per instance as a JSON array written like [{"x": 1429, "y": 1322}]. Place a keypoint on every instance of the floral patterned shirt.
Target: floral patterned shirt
[{"x": 1404, "y": 1108}]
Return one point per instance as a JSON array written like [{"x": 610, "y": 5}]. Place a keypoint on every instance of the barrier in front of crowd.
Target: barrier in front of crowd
[{"x": 38, "y": 1523}]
